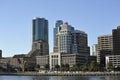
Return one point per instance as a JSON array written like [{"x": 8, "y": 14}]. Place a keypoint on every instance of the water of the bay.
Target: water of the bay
[{"x": 59, "y": 77}]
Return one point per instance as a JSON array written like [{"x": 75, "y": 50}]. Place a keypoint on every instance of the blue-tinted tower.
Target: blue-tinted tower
[
  {"x": 40, "y": 29},
  {"x": 57, "y": 29}
]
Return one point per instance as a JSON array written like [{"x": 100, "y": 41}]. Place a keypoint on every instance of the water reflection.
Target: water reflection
[
  {"x": 59, "y": 77},
  {"x": 76, "y": 78}
]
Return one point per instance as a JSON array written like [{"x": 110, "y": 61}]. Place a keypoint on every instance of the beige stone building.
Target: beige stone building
[{"x": 104, "y": 46}]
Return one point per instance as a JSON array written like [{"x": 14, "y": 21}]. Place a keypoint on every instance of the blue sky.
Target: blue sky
[{"x": 95, "y": 17}]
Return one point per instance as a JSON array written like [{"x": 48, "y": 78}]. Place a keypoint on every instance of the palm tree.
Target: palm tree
[
  {"x": 84, "y": 67},
  {"x": 109, "y": 66},
  {"x": 94, "y": 66}
]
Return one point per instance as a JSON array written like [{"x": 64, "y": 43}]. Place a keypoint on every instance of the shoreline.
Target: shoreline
[{"x": 63, "y": 74}]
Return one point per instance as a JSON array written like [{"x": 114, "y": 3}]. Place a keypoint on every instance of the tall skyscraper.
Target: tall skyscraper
[
  {"x": 57, "y": 28},
  {"x": 105, "y": 47},
  {"x": 0, "y": 53},
  {"x": 40, "y": 29},
  {"x": 40, "y": 44},
  {"x": 94, "y": 49},
  {"x": 116, "y": 41}
]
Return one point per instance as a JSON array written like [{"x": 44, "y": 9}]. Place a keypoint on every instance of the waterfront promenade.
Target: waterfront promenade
[{"x": 77, "y": 73}]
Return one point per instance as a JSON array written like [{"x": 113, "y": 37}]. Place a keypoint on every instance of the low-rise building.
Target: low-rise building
[
  {"x": 91, "y": 58},
  {"x": 25, "y": 62},
  {"x": 114, "y": 59},
  {"x": 42, "y": 60},
  {"x": 55, "y": 59},
  {"x": 71, "y": 59}
]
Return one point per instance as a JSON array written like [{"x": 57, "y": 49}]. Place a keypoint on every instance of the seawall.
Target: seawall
[{"x": 64, "y": 74}]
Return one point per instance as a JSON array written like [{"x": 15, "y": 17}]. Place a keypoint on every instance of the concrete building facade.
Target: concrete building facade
[
  {"x": 63, "y": 39},
  {"x": 105, "y": 47},
  {"x": 71, "y": 41},
  {"x": 42, "y": 60},
  {"x": 114, "y": 59},
  {"x": 23, "y": 62},
  {"x": 73, "y": 59},
  {"x": 55, "y": 59},
  {"x": 39, "y": 47},
  {"x": 80, "y": 43},
  {"x": 70, "y": 59},
  {"x": 71, "y": 47}
]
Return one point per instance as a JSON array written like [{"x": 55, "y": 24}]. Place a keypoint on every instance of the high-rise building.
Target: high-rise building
[
  {"x": 63, "y": 37},
  {"x": 57, "y": 28},
  {"x": 0, "y": 53},
  {"x": 94, "y": 49},
  {"x": 40, "y": 29},
  {"x": 71, "y": 47},
  {"x": 116, "y": 41},
  {"x": 104, "y": 48},
  {"x": 71, "y": 41},
  {"x": 40, "y": 44},
  {"x": 80, "y": 42}
]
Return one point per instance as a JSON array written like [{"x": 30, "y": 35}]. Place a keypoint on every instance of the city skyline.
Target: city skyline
[{"x": 94, "y": 17}]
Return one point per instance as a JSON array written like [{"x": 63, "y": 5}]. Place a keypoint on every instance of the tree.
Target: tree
[
  {"x": 57, "y": 67},
  {"x": 62, "y": 67},
  {"x": 30, "y": 66},
  {"x": 76, "y": 67},
  {"x": 109, "y": 66},
  {"x": 94, "y": 66},
  {"x": 46, "y": 66},
  {"x": 66, "y": 67},
  {"x": 84, "y": 67},
  {"x": 37, "y": 67}
]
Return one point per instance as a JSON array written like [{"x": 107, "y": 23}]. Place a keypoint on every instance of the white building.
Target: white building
[
  {"x": 115, "y": 59},
  {"x": 94, "y": 49},
  {"x": 55, "y": 59}
]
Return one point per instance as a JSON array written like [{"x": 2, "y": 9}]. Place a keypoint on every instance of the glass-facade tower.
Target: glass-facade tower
[
  {"x": 57, "y": 29},
  {"x": 40, "y": 44},
  {"x": 40, "y": 29}
]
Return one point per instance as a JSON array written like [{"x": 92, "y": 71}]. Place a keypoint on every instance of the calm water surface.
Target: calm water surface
[{"x": 59, "y": 77}]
